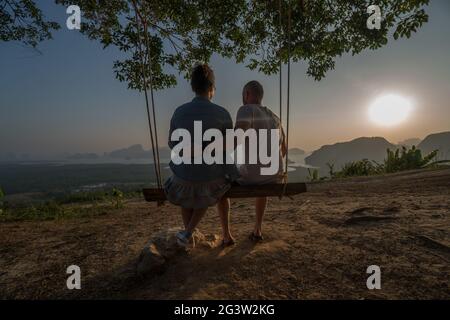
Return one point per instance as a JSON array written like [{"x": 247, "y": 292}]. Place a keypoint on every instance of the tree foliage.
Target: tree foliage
[
  {"x": 363, "y": 167},
  {"x": 407, "y": 159},
  {"x": 22, "y": 20},
  {"x": 181, "y": 32},
  {"x": 176, "y": 33}
]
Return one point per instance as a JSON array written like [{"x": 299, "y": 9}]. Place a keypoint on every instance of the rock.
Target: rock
[
  {"x": 150, "y": 261},
  {"x": 163, "y": 247},
  {"x": 156, "y": 252},
  {"x": 166, "y": 243},
  {"x": 208, "y": 241}
]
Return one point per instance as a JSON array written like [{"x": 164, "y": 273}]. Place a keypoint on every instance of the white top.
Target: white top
[{"x": 259, "y": 117}]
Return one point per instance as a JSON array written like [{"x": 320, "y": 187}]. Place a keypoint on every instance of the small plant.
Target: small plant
[
  {"x": 313, "y": 175},
  {"x": 2, "y": 195},
  {"x": 331, "y": 169},
  {"x": 398, "y": 160},
  {"x": 407, "y": 159},
  {"x": 80, "y": 197},
  {"x": 359, "y": 168},
  {"x": 117, "y": 197}
]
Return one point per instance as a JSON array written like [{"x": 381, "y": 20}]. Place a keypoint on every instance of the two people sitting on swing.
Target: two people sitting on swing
[{"x": 196, "y": 186}]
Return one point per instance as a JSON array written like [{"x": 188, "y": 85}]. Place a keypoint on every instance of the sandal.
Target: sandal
[
  {"x": 228, "y": 243},
  {"x": 255, "y": 238},
  {"x": 183, "y": 238}
]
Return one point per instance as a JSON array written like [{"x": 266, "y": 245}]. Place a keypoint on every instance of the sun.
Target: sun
[{"x": 390, "y": 110}]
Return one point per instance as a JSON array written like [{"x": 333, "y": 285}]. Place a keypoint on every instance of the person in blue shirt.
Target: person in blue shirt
[{"x": 196, "y": 186}]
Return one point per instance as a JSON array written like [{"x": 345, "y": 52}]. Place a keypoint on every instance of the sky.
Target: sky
[{"x": 68, "y": 100}]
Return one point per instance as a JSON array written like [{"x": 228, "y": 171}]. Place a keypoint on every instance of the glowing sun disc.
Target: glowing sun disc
[{"x": 390, "y": 110}]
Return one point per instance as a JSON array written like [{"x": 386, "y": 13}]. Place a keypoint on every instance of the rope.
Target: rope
[
  {"x": 144, "y": 79},
  {"x": 288, "y": 101},
  {"x": 288, "y": 89},
  {"x": 281, "y": 61},
  {"x": 159, "y": 176}
]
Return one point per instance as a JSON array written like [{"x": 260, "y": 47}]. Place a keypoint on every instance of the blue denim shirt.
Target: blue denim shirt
[{"x": 212, "y": 116}]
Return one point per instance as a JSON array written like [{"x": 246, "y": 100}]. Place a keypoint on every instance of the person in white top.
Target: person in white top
[{"x": 252, "y": 115}]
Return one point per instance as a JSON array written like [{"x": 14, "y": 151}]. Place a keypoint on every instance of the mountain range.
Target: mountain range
[
  {"x": 372, "y": 148},
  {"x": 136, "y": 151},
  {"x": 338, "y": 154},
  {"x": 437, "y": 141}
]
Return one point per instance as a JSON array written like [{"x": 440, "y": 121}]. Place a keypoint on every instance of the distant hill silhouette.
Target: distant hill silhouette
[
  {"x": 410, "y": 142},
  {"x": 296, "y": 151},
  {"x": 82, "y": 156},
  {"x": 372, "y": 148},
  {"x": 136, "y": 151},
  {"x": 341, "y": 153},
  {"x": 440, "y": 141}
]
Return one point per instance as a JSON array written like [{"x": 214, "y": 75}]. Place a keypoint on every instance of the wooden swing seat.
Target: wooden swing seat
[{"x": 238, "y": 191}]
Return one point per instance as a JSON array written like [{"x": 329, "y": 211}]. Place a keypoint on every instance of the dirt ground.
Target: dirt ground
[{"x": 317, "y": 246}]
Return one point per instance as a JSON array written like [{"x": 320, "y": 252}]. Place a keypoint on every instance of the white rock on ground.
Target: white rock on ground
[{"x": 163, "y": 246}]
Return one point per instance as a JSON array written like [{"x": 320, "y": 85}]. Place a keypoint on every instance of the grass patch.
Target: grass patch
[
  {"x": 96, "y": 196},
  {"x": 55, "y": 211},
  {"x": 68, "y": 206}
]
